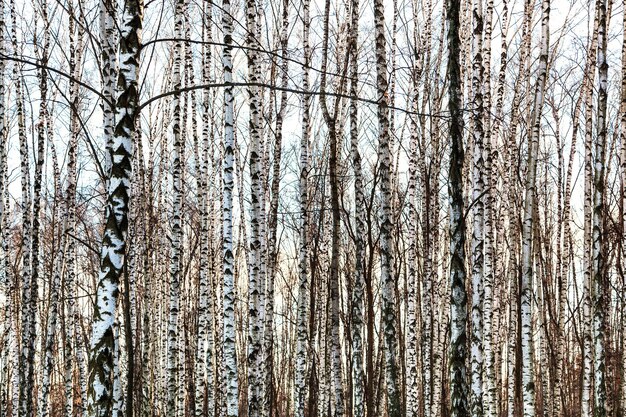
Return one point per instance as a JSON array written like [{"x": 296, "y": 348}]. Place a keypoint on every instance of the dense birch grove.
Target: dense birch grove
[{"x": 312, "y": 208}]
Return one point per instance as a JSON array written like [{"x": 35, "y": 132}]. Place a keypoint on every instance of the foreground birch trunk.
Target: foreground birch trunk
[
  {"x": 587, "y": 345},
  {"x": 256, "y": 256},
  {"x": 230, "y": 353},
  {"x": 459, "y": 391},
  {"x": 178, "y": 148},
  {"x": 387, "y": 277},
  {"x": 302, "y": 314},
  {"x": 23, "y": 381},
  {"x": 598, "y": 257},
  {"x": 623, "y": 199},
  {"x": 357, "y": 313},
  {"x": 478, "y": 239},
  {"x": 528, "y": 389},
  {"x": 100, "y": 385}
]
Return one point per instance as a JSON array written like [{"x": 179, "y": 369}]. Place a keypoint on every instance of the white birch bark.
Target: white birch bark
[
  {"x": 255, "y": 275},
  {"x": 528, "y": 389},
  {"x": 478, "y": 240},
  {"x": 389, "y": 309},
  {"x": 230, "y": 353},
  {"x": 459, "y": 406},
  {"x": 177, "y": 156},
  {"x": 623, "y": 197},
  {"x": 598, "y": 257},
  {"x": 302, "y": 315},
  {"x": 412, "y": 377},
  {"x": 100, "y": 385},
  {"x": 587, "y": 353},
  {"x": 357, "y": 313},
  {"x": 491, "y": 181},
  {"x": 25, "y": 403},
  {"x": 204, "y": 356}
]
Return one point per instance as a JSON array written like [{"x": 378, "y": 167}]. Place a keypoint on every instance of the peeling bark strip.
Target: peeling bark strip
[
  {"x": 459, "y": 391},
  {"x": 100, "y": 385}
]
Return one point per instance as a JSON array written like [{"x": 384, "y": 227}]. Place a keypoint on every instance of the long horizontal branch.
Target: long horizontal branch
[
  {"x": 287, "y": 89},
  {"x": 217, "y": 85}
]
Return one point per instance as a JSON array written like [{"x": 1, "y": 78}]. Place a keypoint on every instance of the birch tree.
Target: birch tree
[
  {"x": 100, "y": 385},
  {"x": 528, "y": 381},
  {"x": 230, "y": 354},
  {"x": 598, "y": 261}
]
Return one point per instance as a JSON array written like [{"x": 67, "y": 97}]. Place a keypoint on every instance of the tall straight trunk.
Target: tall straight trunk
[
  {"x": 528, "y": 388},
  {"x": 5, "y": 278},
  {"x": 204, "y": 350},
  {"x": 255, "y": 275},
  {"x": 357, "y": 312},
  {"x": 71, "y": 346},
  {"x": 37, "y": 200},
  {"x": 230, "y": 352},
  {"x": 412, "y": 377},
  {"x": 387, "y": 276},
  {"x": 330, "y": 118},
  {"x": 426, "y": 344},
  {"x": 100, "y": 385},
  {"x": 598, "y": 257},
  {"x": 459, "y": 406},
  {"x": 272, "y": 250},
  {"x": 48, "y": 344},
  {"x": 491, "y": 180},
  {"x": 177, "y": 156},
  {"x": 478, "y": 239},
  {"x": 302, "y": 315},
  {"x": 623, "y": 200},
  {"x": 587, "y": 354},
  {"x": 27, "y": 339}
]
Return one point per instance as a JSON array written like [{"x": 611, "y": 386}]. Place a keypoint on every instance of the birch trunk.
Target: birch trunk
[
  {"x": 100, "y": 385},
  {"x": 491, "y": 180},
  {"x": 204, "y": 350},
  {"x": 387, "y": 276},
  {"x": 48, "y": 345},
  {"x": 23, "y": 380},
  {"x": 178, "y": 149},
  {"x": 302, "y": 320},
  {"x": 459, "y": 406},
  {"x": 528, "y": 389},
  {"x": 412, "y": 377},
  {"x": 230, "y": 353},
  {"x": 587, "y": 377},
  {"x": 598, "y": 256},
  {"x": 357, "y": 313},
  {"x": 478, "y": 240},
  {"x": 255, "y": 275},
  {"x": 623, "y": 199}
]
